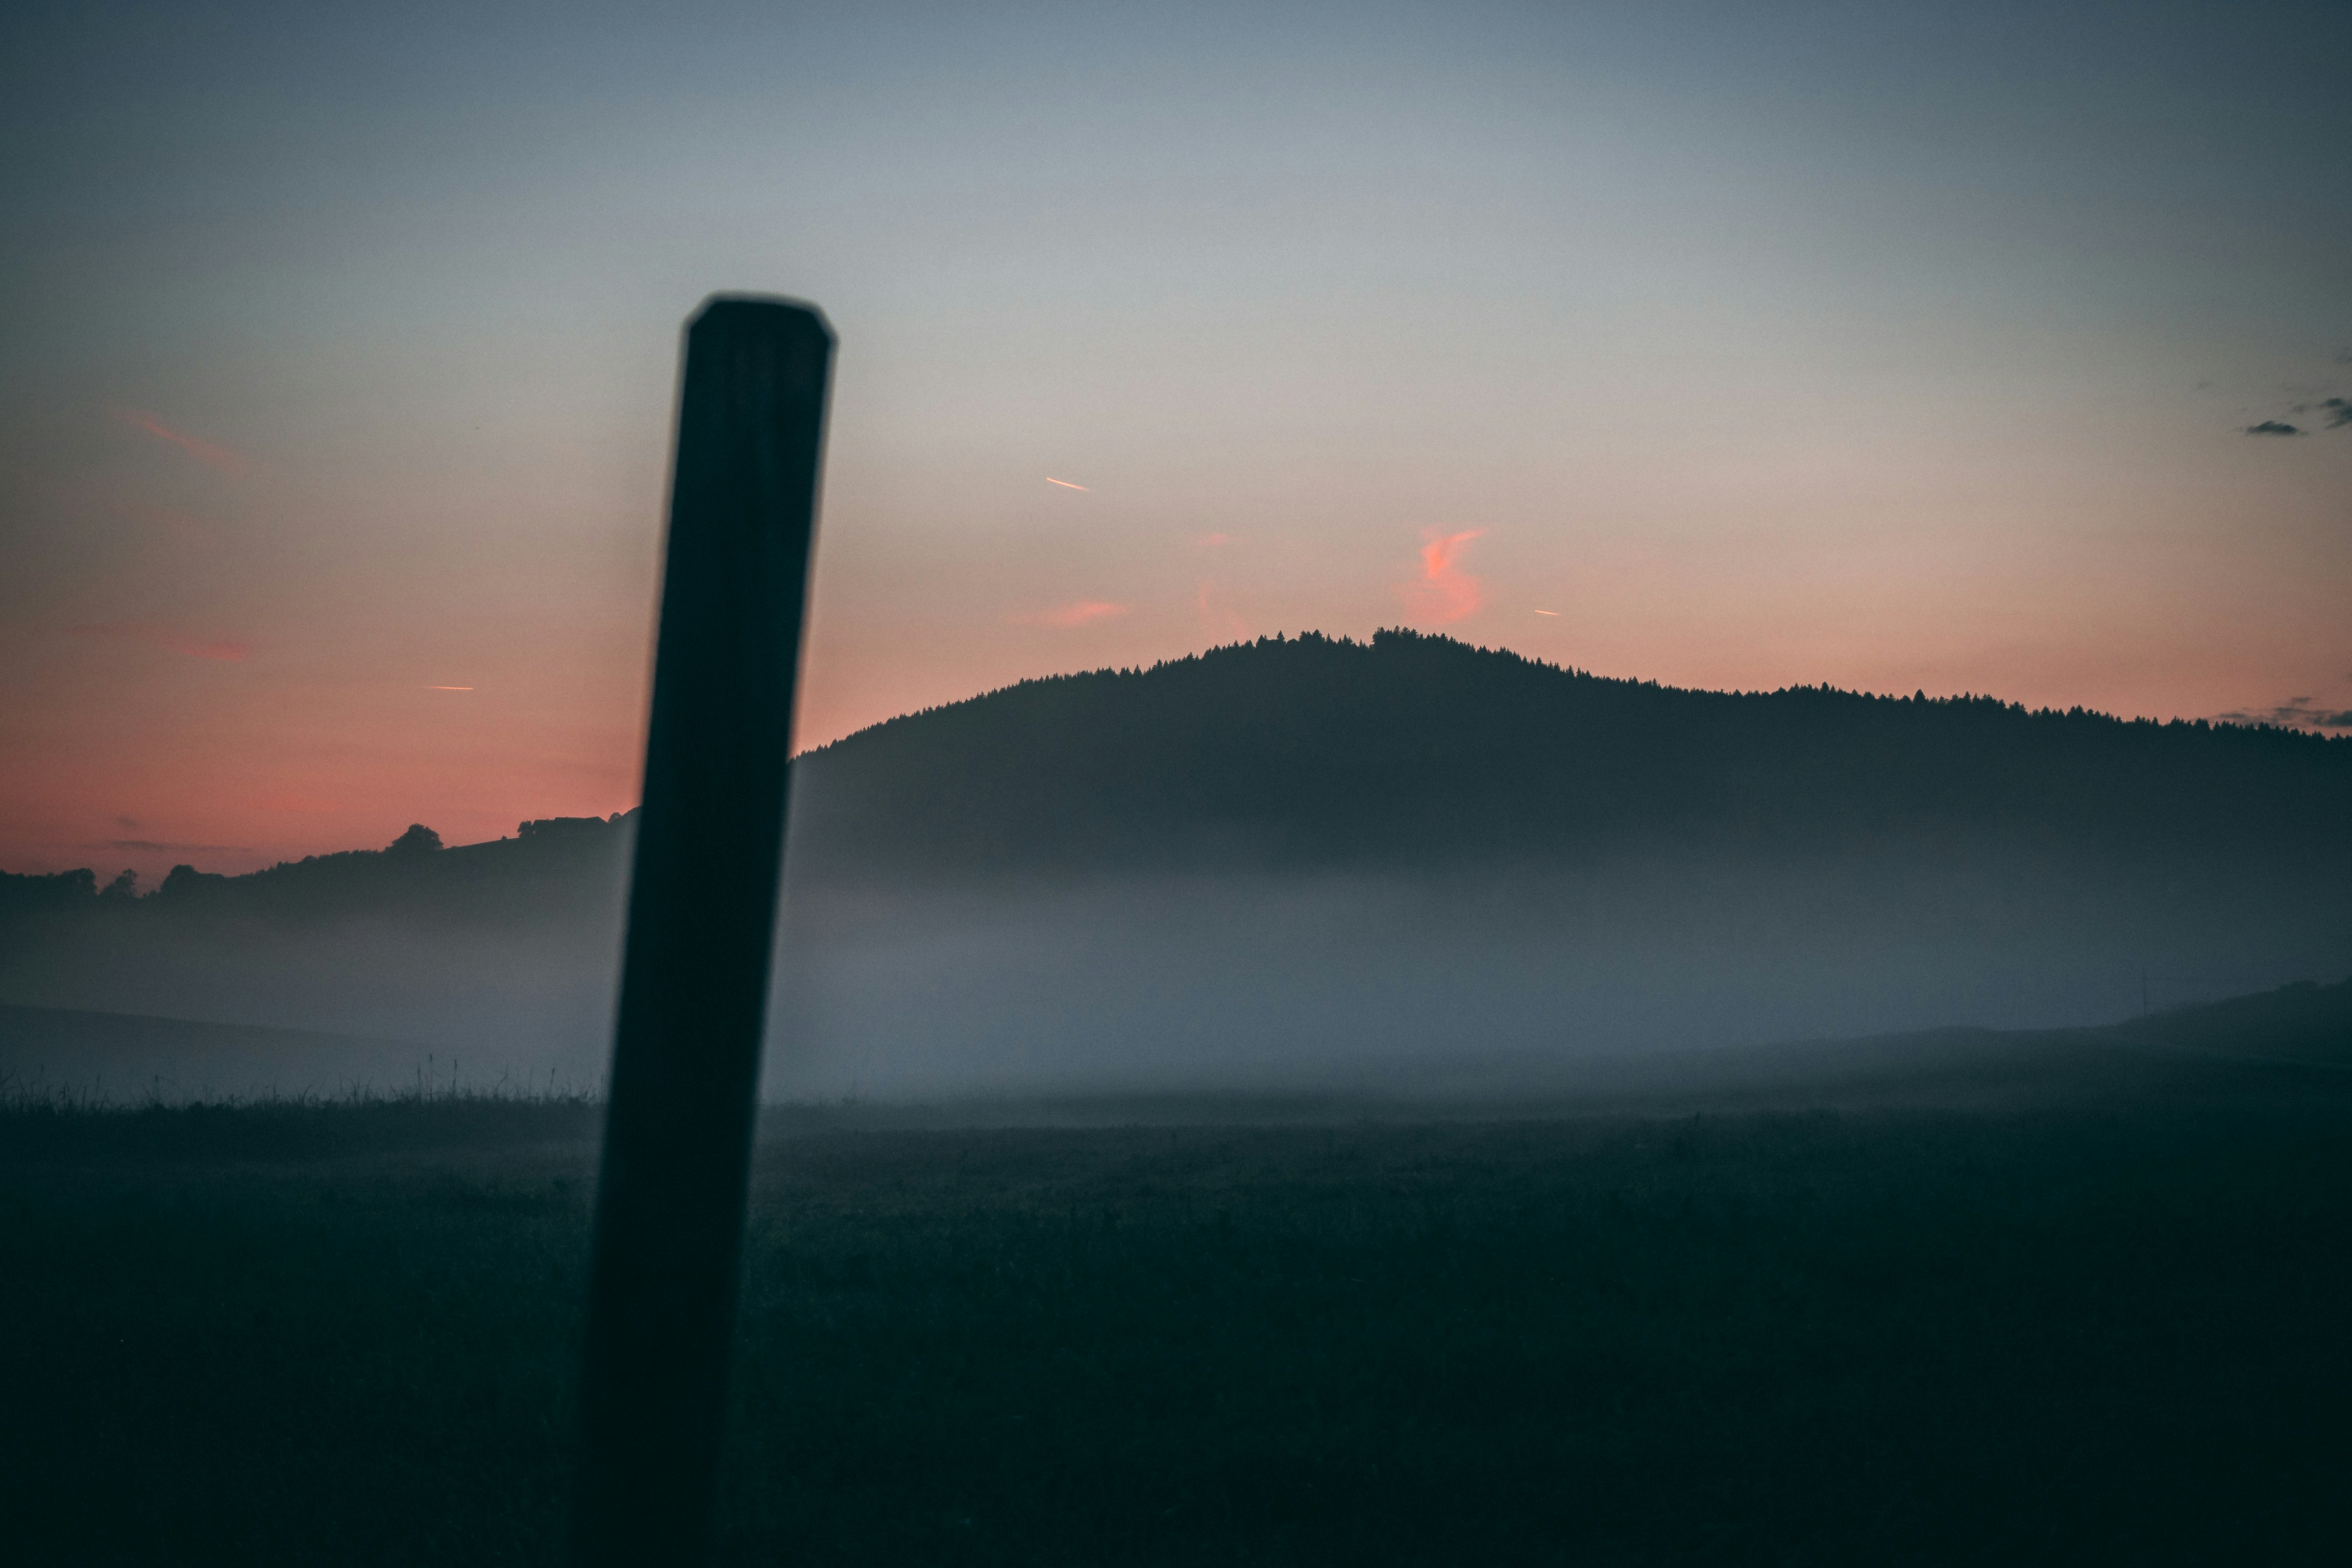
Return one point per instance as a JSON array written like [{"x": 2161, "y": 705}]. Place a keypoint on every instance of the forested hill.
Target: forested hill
[
  {"x": 1412, "y": 748},
  {"x": 1414, "y": 751}
]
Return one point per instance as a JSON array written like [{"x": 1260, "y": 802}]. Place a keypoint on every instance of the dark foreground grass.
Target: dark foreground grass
[{"x": 2054, "y": 1336}]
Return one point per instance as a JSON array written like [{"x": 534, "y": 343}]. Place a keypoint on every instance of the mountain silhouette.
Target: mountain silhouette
[
  {"x": 1411, "y": 751},
  {"x": 1414, "y": 748},
  {"x": 1311, "y": 860}
]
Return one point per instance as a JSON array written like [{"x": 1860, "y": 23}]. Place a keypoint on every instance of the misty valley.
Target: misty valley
[
  {"x": 1316, "y": 1101},
  {"x": 1405, "y": 866},
  {"x": 1111, "y": 785}
]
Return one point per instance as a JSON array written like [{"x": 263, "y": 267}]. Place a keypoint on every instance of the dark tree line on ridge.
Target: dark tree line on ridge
[
  {"x": 1321, "y": 750},
  {"x": 547, "y": 859},
  {"x": 1408, "y": 750}
]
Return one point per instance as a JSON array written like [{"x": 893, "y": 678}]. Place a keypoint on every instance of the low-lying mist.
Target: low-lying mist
[
  {"x": 1488, "y": 982},
  {"x": 1404, "y": 866}
]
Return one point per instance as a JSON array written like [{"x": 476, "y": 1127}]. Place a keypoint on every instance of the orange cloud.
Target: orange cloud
[
  {"x": 219, "y": 458},
  {"x": 1082, "y": 612},
  {"x": 1443, "y": 592},
  {"x": 1065, "y": 484},
  {"x": 147, "y": 634}
]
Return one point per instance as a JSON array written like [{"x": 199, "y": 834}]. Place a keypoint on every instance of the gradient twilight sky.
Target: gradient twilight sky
[{"x": 1893, "y": 346}]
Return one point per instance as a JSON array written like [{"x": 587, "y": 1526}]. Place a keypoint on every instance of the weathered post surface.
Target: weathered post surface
[{"x": 702, "y": 915}]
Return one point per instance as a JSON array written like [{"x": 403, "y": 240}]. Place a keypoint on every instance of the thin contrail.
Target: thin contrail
[
  {"x": 204, "y": 452},
  {"x": 1065, "y": 483},
  {"x": 1547, "y": 611},
  {"x": 448, "y": 688}
]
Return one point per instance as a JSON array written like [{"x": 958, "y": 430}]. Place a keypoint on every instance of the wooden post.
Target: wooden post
[{"x": 702, "y": 915}]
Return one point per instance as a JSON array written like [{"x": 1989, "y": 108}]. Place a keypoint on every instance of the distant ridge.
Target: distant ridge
[
  {"x": 548, "y": 862},
  {"x": 2290, "y": 1043},
  {"x": 1409, "y": 751},
  {"x": 1412, "y": 749}
]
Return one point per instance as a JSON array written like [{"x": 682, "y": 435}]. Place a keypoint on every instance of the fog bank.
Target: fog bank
[{"x": 1247, "y": 981}]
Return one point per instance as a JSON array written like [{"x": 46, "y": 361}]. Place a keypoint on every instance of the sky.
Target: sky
[{"x": 1895, "y": 346}]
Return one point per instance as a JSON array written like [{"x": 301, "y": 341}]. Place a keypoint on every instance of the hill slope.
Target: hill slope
[
  {"x": 1419, "y": 748},
  {"x": 1417, "y": 752}
]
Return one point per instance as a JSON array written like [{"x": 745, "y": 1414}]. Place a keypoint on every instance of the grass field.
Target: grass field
[{"x": 345, "y": 1334}]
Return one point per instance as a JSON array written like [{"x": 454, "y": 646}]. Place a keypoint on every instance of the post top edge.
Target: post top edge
[{"x": 778, "y": 311}]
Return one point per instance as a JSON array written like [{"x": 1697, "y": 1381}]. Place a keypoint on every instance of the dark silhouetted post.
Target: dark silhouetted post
[{"x": 703, "y": 913}]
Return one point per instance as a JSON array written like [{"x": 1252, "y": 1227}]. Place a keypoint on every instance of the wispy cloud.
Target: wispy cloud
[
  {"x": 219, "y": 458},
  {"x": 151, "y": 847},
  {"x": 1443, "y": 592},
  {"x": 146, "y": 634},
  {"x": 1066, "y": 484},
  {"x": 1079, "y": 613},
  {"x": 2334, "y": 414},
  {"x": 2294, "y": 713}
]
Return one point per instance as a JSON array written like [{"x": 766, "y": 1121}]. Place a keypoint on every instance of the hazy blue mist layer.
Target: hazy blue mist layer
[
  {"x": 1311, "y": 864},
  {"x": 1428, "y": 984}
]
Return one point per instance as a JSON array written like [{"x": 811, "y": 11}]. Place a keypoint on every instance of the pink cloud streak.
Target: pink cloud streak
[
  {"x": 1443, "y": 592},
  {"x": 219, "y": 458}
]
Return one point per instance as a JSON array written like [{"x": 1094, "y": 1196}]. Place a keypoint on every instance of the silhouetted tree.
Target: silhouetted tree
[
  {"x": 184, "y": 883},
  {"x": 419, "y": 841},
  {"x": 121, "y": 890},
  {"x": 552, "y": 827}
]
